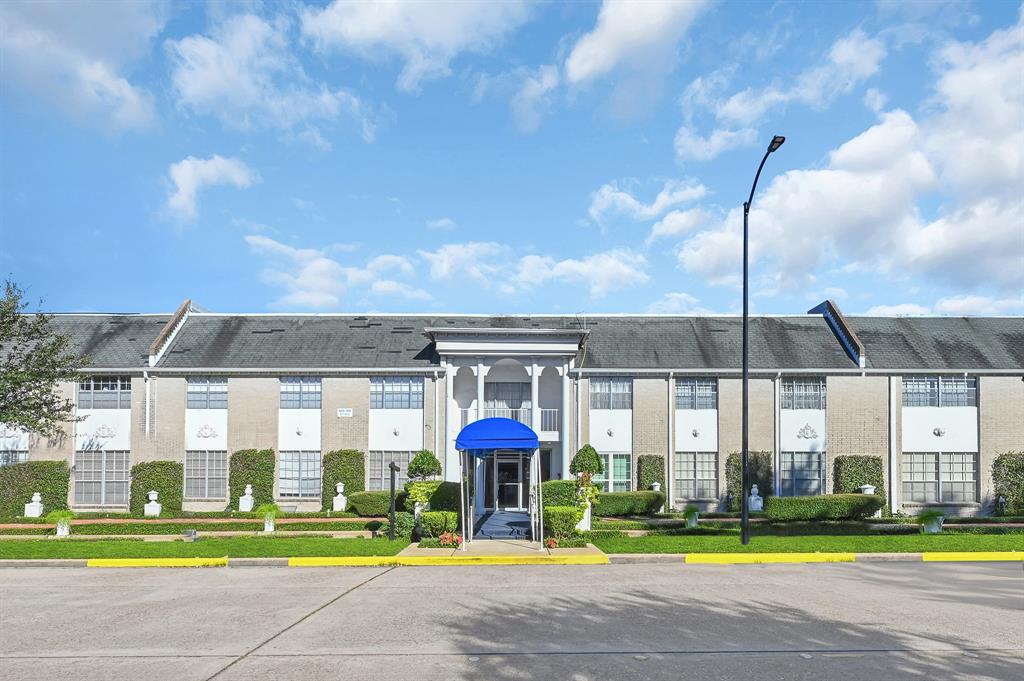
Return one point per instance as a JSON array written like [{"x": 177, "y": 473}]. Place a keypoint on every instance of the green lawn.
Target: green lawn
[
  {"x": 213, "y": 547},
  {"x": 178, "y": 528},
  {"x": 914, "y": 543}
]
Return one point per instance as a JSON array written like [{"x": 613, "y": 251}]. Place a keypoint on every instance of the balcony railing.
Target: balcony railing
[{"x": 548, "y": 417}]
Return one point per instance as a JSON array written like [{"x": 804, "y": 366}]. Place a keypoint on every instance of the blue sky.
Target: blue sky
[{"x": 512, "y": 157}]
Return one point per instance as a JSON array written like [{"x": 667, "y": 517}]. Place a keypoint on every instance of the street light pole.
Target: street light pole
[{"x": 745, "y": 501}]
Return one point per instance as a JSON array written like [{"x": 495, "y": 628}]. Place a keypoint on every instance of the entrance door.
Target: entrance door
[{"x": 509, "y": 482}]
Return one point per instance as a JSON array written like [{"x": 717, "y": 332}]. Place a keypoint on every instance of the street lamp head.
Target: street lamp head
[{"x": 776, "y": 143}]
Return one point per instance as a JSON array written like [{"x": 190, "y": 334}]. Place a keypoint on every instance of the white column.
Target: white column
[
  {"x": 565, "y": 421},
  {"x": 451, "y": 425},
  {"x": 480, "y": 389},
  {"x": 535, "y": 396}
]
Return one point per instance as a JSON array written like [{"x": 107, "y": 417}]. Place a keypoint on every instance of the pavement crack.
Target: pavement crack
[{"x": 297, "y": 622}]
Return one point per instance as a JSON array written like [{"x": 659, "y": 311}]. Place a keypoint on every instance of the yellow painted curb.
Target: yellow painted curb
[
  {"x": 736, "y": 558},
  {"x": 157, "y": 562},
  {"x": 379, "y": 561},
  {"x": 940, "y": 556}
]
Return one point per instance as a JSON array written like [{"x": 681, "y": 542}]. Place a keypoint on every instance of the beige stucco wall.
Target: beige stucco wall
[
  {"x": 857, "y": 419},
  {"x": 1001, "y": 412},
  {"x": 252, "y": 413}
]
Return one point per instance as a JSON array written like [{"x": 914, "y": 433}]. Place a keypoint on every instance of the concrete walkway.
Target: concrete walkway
[{"x": 504, "y": 525}]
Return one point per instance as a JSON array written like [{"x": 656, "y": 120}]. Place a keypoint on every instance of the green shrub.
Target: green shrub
[
  {"x": 558, "y": 493},
  {"x": 650, "y": 468},
  {"x": 645, "y": 502},
  {"x": 850, "y": 471},
  {"x": 424, "y": 465},
  {"x": 822, "y": 507},
  {"x": 1007, "y": 481},
  {"x": 438, "y": 494},
  {"x": 405, "y": 523},
  {"x": 343, "y": 465},
  {"x": 376, "y": 504},
  {"x": 760, "y": 475},
  {"x": 166, "y": 477},
  {"x": 19, "y": 481},
  {"x": 586, "y": 462},
  {"x": 252, "y": 467},
  {"x": 560, "y": 521},
  {"x": 436, "y": 522}
]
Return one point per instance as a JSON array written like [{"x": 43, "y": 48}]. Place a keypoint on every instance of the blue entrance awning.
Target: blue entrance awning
[{"x": 486, "y": 435}]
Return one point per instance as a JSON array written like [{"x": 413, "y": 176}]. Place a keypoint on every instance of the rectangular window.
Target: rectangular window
[
  {"x": 696, "y": 475},
  {"x": 803, "y": 393},
  {"x": 105, "y": 392},
  {"x": 206, "y": 475},
  {"x": 101, "y": 478},
  {"x": 299, "y": 475},
  {"x": 611, "y": 393},
  {"x": 802, "y": 473},
  {"x": 696, "y": 393},
  {"x": 396, "y": 392},
  {"x": 208, "y": 393},
  {"x": 300, "y": 392},
  {"x": 940, "y": 391},
  {"x": 934, "y": 477},
  {"x": 9, "y": 456},
  {"x": 617, "y": 475},
  {"x": 377, "y": 466}
]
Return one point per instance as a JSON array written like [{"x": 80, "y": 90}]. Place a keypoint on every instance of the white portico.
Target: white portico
[{"x": 522, "y": 374}]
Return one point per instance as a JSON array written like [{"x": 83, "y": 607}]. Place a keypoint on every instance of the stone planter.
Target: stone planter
[
  {"x": 64, "y": 529},
  {"x": 268, "y": 524},
  {"x": 933, "y": 525},
  {"x": 691, "y": 522},
  {"x": 584, "y": 524}
]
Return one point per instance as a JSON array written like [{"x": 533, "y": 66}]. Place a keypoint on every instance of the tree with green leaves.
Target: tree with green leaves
[
  {"x": 424, "y": 465},
  {"x": 34, "y": 360},
  {"x": 585, "y": 464}
]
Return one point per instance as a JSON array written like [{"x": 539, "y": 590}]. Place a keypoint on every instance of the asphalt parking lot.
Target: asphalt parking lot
[{"x": 850, "y": 621}]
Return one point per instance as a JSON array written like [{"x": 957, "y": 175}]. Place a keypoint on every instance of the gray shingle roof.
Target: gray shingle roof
[
  {"x": 941, "y": 343},
  {"x": 111, "y": 340}
]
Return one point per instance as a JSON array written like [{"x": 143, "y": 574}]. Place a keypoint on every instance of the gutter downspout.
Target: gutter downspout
[
  {"x": 893, "y": 504},
  {"x": 145, "y": 377}
]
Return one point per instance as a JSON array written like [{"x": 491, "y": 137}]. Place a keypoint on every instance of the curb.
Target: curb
[
  {"x": 746, "y": 558},
  {"x": 257, "y": 562},
  {"x": 156, "y": 562},
  {"x": 44, "y": 562},
  {"x": 646, "y": 558},
  {"x": 951, "y": 556},
  {"x": 394, "y": 561}
]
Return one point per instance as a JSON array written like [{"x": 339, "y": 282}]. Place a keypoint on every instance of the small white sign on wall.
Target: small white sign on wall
[{"x": 344, "y": 413}]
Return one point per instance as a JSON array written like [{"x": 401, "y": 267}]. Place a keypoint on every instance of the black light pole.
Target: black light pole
[{"x": 745, "y": 518}]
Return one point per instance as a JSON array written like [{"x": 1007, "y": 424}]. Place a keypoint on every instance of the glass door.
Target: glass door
[{"x": 509, "y": 483}]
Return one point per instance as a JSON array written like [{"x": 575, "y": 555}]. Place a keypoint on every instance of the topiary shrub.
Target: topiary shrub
[
  {"x": 252, "y": 467},
  {"x": 585, "y": 464},
  {"x": 343, "y": 465},
  {"x": 560, "y": 521},
  {"x": 437, "y": 494},
  {"x": 424, "y": 465},
  {"x": 19, "y": 481},
  {"x": 166, "y": 477},
  {"x": 376, "y": 504},
  {"x": 629, "y": 503},
  {"x": 822, "y": 507},
  {"x": 650, "y": 468},
  {"x": 760, "y": 475},
  {"x": 850, "y": 471},
  {"x": 435, "y": 523},
  {"x": 1008, "y": 481},
  {"x": 558, "y": 493},
  {"x": 405, "y": 523}
]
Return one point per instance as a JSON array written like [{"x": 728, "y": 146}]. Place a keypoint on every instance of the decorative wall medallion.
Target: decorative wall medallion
[
  {"x": 104, "y": 431},
  {"x": 938, "y": 432},
  {"x": 395, "y": 431},
  {"x": 611, "y": 432},
  {"x": 807, "y": 432},
  {"x": 206, "y": 431},
  {"x": 696, "y": 433}
]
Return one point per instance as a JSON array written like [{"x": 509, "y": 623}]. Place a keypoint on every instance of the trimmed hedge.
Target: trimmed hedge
[
  {"x": 1008, "y": 481},
  {"x": 434, "y": 523},
  {"x": 650, "y": 468},
  {"x": 558, "y": 493},
  {"x": 251, "y": 467},
  {"x": 760, "y": 475},
  {"x": 166, "y": 477},
  {"x": 376, "y": 504},
  {"x": 645, "y": 502},
  {"x": 822, "y": 507},
  {"x": 405, "y": 523},
  {"x": 19, "y": 481},
  {"x": 343, "y": 465},
  {"x": 560, "y": 521},
  {"x": 850, "y": 471},
  {"x": 440, "y": 495},
  {"x": 587, "y": 460},
  {"x": 424, "y": 465}
]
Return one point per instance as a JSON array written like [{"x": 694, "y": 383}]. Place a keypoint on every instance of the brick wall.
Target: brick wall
[
  {"x": 650, "y": 419},
  {"x": 166, "y": 439},
  {"x": 252, "y": 413},
  {"x": 1001, "y": 411},
  {"x": 857, "y": 418},
  {"x": 762, "y": 419},
  {"x": 61, "y": 447},
  {"x": 348, "y": 432}
]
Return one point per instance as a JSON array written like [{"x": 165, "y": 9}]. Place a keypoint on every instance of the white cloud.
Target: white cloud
[
  {"x": 534, "y": 97},
  {"x": 966, "y": 305},
  {"x": 903, "y": 309},
  {"x": 428, "y": 36},
  {"x": 192, "y": 174},
  {"x": 475, "y": 260},
  {"x": 611, "y": 201},
  {"x": 74, "y": 55},
  {"x": 638, "y": 35},
  {"x": 310, "y": 279},
  {"x": 691, "y": 146},
  {"x": 678, "y": 222},
  {"x": 388, "y": 287},
  {"x": 245, "y": 75},
  {"x": 677, "y": 303},
  {"x": 875, "y": 99},
  {"x": 441, "y": 223},
  {"x": 602, "y": 273}
]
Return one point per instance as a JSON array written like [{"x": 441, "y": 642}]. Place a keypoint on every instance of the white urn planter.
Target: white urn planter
[
  {"x": 268, "y": 524},
  {"x": 34, "y": 508},
  {"x": 933, "y": 525},
  {"x": 63, "y": 528},
  {"x": 691, "y": 521},
  {"x": 584, "y": 524},
  {"x": 245, "y": 502},
  {"x": 153, "y": 508},
  {"x": 340, "y": 501}
]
